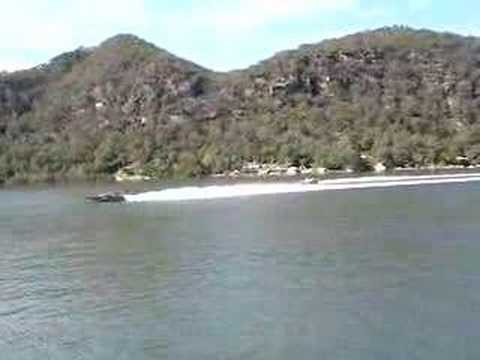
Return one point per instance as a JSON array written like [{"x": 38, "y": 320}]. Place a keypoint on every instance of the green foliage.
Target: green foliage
[
  {"x": 110, "y": 154},
  {"x": 394, "y": 95},
  {"x": 187, "y": 165},
  {"x": 6, "y": 169},
  {"x": 50, "y": 159},
  {"x": 212, "y": 160}
]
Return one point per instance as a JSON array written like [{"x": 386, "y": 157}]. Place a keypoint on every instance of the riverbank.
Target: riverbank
[{"x": 250, "y": 172}]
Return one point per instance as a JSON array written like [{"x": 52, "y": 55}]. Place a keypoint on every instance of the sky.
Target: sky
[{"x": 218, "y": 34}]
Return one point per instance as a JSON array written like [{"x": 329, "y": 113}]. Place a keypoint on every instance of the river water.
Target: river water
[{"x": 389, "y": 273}]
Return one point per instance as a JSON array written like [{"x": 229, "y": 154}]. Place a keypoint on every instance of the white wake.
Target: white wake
[{"x": 242, "y": 190}]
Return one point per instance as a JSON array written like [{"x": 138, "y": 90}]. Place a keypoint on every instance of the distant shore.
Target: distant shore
[{"x": 138, "y": 182}]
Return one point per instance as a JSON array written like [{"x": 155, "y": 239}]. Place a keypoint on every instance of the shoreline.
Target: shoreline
[{"x": 109, "y": 180}]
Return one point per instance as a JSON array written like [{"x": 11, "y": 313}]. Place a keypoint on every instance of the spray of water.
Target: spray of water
[{"x": 243, "y": 190}]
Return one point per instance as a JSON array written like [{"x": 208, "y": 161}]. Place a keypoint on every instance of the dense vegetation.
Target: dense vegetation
[{"x": 396, "y": 95}]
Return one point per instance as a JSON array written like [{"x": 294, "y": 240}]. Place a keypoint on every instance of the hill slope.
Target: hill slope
[{"x": 396, "y": 95}]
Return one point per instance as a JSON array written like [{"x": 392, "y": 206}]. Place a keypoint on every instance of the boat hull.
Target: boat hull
[{"x": 107, "y": 198}]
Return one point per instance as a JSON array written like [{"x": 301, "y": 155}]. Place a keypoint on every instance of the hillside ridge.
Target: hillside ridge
[{"x": 394, "y": 96}]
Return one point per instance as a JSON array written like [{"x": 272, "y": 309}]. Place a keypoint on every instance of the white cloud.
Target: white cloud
[
  {"x": 59, "y": 25},
  {"x": 45, "y": 29},
  {"x": 13, "y": 64},
  {"x": 245, "y": 15},
  {"x": 229, "y": 29}
]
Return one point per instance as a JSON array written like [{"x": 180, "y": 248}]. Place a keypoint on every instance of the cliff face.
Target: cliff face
[{"x": 395, "y": 95}]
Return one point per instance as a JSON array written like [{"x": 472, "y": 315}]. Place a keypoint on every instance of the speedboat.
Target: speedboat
[{"x": 109, "y": 197}]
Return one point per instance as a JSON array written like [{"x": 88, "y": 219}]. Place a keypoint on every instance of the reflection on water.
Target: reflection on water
[{"x": 377, "y": 274}]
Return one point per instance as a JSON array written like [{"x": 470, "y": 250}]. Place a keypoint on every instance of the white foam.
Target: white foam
[
  {"x": 242, "y": 190},
  {"x": 397, "y": 178}
]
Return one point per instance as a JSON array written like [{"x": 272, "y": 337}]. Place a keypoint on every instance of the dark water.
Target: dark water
[{"x": 373, "y": 274}]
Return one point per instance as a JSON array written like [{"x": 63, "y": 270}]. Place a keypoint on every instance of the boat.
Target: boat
[{"x": 109, "y": 197}]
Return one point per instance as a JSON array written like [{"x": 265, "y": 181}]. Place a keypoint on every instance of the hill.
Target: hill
[{"x": 400, "y": 96}]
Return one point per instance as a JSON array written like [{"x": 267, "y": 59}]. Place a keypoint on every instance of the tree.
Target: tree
[{"x": 110, "y": 155}]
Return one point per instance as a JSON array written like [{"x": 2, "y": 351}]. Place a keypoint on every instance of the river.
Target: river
[{"x": 376, "y": 273}]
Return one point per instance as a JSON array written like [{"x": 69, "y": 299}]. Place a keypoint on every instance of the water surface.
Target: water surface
[{"x": 357, "y": 274}]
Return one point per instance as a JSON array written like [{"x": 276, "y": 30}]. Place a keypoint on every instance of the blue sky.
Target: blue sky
[{"x": 221, "y": 35}]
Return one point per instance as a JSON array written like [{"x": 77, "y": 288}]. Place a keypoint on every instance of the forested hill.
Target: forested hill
[{"x": 396, "y": 95}]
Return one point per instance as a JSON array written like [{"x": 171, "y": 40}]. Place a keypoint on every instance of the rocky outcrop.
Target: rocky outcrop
[{"x": 131, "y": 173}]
